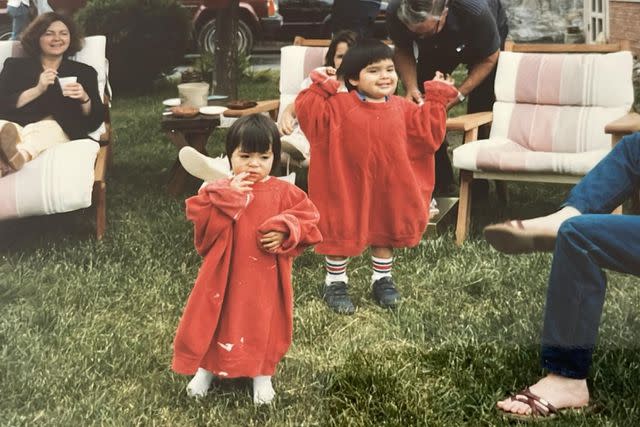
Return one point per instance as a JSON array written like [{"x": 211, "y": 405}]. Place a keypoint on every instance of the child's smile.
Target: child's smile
[{"x": 377, "y": 81}]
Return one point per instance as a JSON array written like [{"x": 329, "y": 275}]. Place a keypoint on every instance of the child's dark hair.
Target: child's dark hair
[
  {"x": 254, "y": 133},
  {"x": 365, "y": 52},
  {"x": 345, "y": 36}
]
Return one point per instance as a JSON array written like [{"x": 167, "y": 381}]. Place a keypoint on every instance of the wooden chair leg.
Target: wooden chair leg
[
  {"x": 100, "y": 203},
  {"x": 502, "y": 191},
  {"x": 464, "y": 206}
]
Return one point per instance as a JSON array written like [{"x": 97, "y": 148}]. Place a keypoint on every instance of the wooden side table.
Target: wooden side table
[{"x": 184, "y": 132}]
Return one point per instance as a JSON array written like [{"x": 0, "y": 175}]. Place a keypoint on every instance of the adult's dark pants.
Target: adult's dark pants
[
  {"x": 480, "y": 99},
  {"x": 586, "y": 245}
]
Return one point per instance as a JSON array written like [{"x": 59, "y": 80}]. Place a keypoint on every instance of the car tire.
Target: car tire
[
  {"x": 206, "y": 37},
  {"x": 5, "y": 32}
]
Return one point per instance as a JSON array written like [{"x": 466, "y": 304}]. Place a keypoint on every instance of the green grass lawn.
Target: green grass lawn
[{"x": 86, "y": 327}]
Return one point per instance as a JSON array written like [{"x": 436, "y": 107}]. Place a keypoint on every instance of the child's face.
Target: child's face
[
  {"x": 377, "y": 80},
  {"x": 341, "y": 49},
  {"x": 257, "y": 165}
]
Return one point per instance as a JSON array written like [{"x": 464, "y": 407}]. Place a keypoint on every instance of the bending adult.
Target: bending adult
[
  {"x": 45, "y": 98},
  {"x": 448, "y": 33},
  {"x": 358, "y": 16},
  {"x": 588, "y": 239}
]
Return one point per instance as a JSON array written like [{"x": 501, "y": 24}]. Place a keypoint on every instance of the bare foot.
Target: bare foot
[{"x": 561, "y": 392}]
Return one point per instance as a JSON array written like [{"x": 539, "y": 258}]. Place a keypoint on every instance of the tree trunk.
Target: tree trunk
[{"x": 226, "y": 54}]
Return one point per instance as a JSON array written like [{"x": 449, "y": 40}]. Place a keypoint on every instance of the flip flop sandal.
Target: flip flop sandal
[
  {"x": 8, "y": 149},
  {"x": 541, "y": 409},
  {"x": 511, "y": 237}
]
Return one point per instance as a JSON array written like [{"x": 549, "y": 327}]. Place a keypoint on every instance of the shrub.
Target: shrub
[{"x": 144, "y": 37}]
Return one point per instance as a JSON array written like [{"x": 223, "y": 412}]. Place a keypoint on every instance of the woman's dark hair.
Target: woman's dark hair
[
  {"x": 345, "y": 36},
  {"x": 254, "y": 133},
  {"x": 365, "y": 52},
  {"x": 31, "y": 36}
]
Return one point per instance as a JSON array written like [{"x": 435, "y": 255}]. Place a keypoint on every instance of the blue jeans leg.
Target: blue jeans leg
[
  {"x": 586, "y": 245},
  {"x": 21, "y": 19},
  {"x": 611, "y": 181}
]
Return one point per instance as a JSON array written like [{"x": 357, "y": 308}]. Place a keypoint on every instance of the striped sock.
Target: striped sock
[
  {"x": 336, "y": 270},
  {"x": 381, "y": 267}
]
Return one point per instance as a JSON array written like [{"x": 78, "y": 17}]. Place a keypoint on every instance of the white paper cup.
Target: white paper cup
[{"x": 66, "y": 80}]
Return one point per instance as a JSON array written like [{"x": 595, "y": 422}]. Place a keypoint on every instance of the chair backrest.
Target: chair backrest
[
  {"x": 561, "y": 102},
  {"x": 296, "y": 62}
]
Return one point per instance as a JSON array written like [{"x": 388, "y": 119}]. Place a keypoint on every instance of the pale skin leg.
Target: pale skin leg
[
  {"x": 552, "y": 222},
  {"x": 561, "y": 392},
  {"x": 378, "y": 252}
]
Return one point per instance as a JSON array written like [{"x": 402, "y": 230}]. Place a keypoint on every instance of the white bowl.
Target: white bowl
[
  {"x": 171, "y": 102},
  {"x": 211, "y": 110}
]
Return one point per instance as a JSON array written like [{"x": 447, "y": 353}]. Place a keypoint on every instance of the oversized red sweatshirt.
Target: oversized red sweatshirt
[
  {"x": 239, "y": 317},
  {"x": 372, "y": 164}
]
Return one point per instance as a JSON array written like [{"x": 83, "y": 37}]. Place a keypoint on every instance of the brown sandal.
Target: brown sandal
[
  {"x": 541, "y": 409},
  {"x": 8, "y": 147},
  {"x": 511, "y": 237}
]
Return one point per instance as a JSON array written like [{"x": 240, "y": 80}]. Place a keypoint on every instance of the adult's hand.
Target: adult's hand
[
  {"x": 46, "y": 79},
  {"x": 414, "y": 95},
  {"x": 75, "y": 91}
]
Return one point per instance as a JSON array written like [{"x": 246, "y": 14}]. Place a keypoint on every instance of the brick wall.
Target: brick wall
[{"x": 623, "y": 23}]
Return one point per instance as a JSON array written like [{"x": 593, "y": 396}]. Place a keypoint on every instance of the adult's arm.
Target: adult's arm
[
  {"x": 406, "y": 65},
  {"x": 478, "y": 72},
  {"x": 15, "y": 77}
]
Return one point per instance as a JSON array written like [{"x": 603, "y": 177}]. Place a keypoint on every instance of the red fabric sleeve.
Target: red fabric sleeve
[
  {"x": 312, "y": 109},
  {"x": 213, "y": 210},
  {"x": 428, "y": 122},
  {"x": 299, "y": 222}
]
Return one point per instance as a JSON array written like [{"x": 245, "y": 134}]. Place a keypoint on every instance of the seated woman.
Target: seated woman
[
  {"x": 45, "y": 98},
  {"x": 586, "y": 239},
  {"x": 294, "y": 142}
]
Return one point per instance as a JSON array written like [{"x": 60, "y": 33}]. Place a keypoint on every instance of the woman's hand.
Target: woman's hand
[
  {"x": 241, "y": 183},
  {"x": 46, "y": 79},
  {"x": 75, "y": 91},
  {"x": 272, "y": 240},
  {"x": 287, "y": 120}
]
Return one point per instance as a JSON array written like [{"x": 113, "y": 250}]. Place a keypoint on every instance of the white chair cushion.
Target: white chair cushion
[
  {"x": 504, "y": 155},
  {"x": 59, "y": 180}
]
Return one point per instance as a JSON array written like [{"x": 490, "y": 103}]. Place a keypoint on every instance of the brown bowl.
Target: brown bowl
[
  {"x": 184, "y": 111},
  {"x": 241, "y": 104}
]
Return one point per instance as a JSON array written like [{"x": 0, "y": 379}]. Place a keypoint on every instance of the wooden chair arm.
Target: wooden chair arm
[
  {"x": 469, "y": 124},
  {"x": 270, "y": 106},
  {"x": 101, "y": 164},
  {"x": 626, "y": 124}
]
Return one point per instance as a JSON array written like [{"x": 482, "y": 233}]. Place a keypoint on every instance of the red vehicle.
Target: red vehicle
[{"x": 258, "y": 19}]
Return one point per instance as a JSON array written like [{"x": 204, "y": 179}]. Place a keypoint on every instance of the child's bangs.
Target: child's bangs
[{"x": 255, "y": 140}]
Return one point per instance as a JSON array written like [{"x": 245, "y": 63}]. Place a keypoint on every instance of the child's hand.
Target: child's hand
[
  {"x": 330, "y": 71},
  {"x": 241, "y": 183},
  {"x": 272, "y": 240},
  {"x": 440, "y": 77}
]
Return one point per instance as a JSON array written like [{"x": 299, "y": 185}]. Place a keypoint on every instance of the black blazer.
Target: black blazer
[{"x": 20, "y": 74}]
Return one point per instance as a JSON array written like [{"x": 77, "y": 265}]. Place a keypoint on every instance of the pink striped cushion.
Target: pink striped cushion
[{"x": 566, "y": 79}]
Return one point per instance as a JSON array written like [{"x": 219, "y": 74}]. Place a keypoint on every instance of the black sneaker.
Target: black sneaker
[
  {"x": 337, "y": 298},
  {"x": 385, "y": 293}
]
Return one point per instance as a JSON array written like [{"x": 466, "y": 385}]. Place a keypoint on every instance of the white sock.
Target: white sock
[
  {"x": 381, "y": 267},
  {"x": 263, "y": 392},
  {"x": 200, "y": 383},
  {"x": 336, "y": 270}
]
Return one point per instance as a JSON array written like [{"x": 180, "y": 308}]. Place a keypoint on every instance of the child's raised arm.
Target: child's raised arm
[
  {"x": 213, "y": 210},
  {"x": 298, "y": 223},
  {"x": 428, "y": 122},
  {"x": 311, "y": 106}
]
